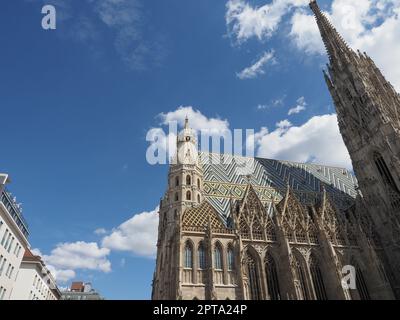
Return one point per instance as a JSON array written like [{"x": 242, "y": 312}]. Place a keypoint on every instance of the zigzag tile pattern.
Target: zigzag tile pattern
[{"x": 226, "y": 176}]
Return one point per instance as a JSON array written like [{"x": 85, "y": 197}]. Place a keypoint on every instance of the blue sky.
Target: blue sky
[{"x": 77, "y": 102}]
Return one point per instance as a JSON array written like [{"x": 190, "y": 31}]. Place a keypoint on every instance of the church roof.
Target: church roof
[
  {"x": 201, "y": 215},
  {"x": 226, "y": 177}
]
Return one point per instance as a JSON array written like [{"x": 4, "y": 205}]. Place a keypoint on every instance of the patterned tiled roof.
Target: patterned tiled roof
[
  {"x": 200, "y": 216},
  {"x": 229, "y": 177}
]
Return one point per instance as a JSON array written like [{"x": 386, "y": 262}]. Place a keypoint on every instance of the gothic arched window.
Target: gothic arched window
[
  {"x": 301, "y": 278},
  {"x": 253, "y": 278},
  {"x": 176, "y": 181},
  {"x": 198, "y": 183},
  {"x": 201, "y": 253},
  {"x": 188, "y": 180},
  {"x": 361, "y": 285},
  {"x": 318, "y": 281},
  {"x": 218, "y": 257},
  {"x": 384, "y": 171},
  {"x": 188, "y": 255},
  {"x": 272, "y": 278},
  {"x": 188, "y": 195},
  {"x": 231, "y": 259}
]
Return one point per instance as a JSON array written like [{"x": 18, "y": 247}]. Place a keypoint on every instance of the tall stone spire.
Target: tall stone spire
[
  {"x": 334, "y": 43},
  {"x": 368, "y": 110}
]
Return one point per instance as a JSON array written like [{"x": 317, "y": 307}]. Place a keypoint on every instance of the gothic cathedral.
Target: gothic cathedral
[{"x": 288, "y": 230}]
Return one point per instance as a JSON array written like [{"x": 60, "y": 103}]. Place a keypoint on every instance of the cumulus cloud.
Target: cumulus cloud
[
  {"x": 61, "y": 276},
  {"x": 198, "y": 121},
  {"x": 245, "y": 21},
  {"x": 79, "y": 255},
  {"x": 318, "y": 141},
  {"x": 258, "y": 68},
  {"x": 300, "y": 106},
  {"x": 369, "y": 25},
  {"x": 137, "y": 235}
]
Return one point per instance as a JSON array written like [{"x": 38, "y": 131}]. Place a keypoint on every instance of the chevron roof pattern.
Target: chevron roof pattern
[{"x": 226, "y": 177}]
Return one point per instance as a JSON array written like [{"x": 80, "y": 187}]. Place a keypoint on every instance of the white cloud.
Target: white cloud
[
  {"x": 301, "y": 106},
  {"x": 258, "y": 67},
  {"x": 79, "y": 255},
  {"x": 137, "y": 235},
  {"x": 273, "y": 103},
  {"x": 62, "y": 276},
  {"x": 245, "y": 21},
  {"x": 100, "y": 231},
  {"x": 197, "y": 120},
  {"x": 318, "y": 140},
  {"x": 369, "y": 25}
]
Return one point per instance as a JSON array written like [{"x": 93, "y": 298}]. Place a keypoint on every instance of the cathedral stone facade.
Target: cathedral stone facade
[{"x": 284, "y": 230}]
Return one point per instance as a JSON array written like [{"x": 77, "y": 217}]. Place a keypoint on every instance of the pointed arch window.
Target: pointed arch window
[
  {"x": 301, "y": 278},
  {"x": 188, "y": 180},
  {"x": 361, "y": 284},
  {"x": 188, "y": 255},
  {"x": 231, "y": 259},
  {"x": 318, "y": 281},
  {"x": 272, "y": 278},
  {"x": 384, "y": 171},
  {"x": 218, "y": 257},
  {"x": 188, "y": 195},
  {"x": 253, "y": 278},
  {"x": 201, "y": 256}
]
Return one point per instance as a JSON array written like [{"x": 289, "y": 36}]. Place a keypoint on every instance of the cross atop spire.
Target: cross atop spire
[{"x": 334, "y": 43}]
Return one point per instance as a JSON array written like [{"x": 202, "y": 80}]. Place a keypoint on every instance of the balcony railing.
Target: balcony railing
[{"x": 15, "y": 212}]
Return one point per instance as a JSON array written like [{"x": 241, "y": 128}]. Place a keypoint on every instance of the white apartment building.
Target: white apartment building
[
  {"x": 34, "y": 280},
  {"x": 13, "y": 239}
]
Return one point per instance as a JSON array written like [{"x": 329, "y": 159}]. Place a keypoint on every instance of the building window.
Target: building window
[
  {"x": 177, "y": 182},
  {"x": 198, "y": 183},
  {"x": 318, "y": 281},
  {"x": 2, "y": 293},
  {"x": 188, "y": 180},
  {"x": 272, "y": 278},
  {"x": 253, "y": 278},
  {"x": 202, "y": 256},
  {"x": 361, "y": 285},
  {"x": 176, "y": 197},
  {"x": 188, "y": 195},
  {"x": 231, "y": 259},
  {"x": 2, "y": 262},
  {"x": 188, "y": 255},
  {"x": 384, "y": 171},
  {"x": 218, "y": 257},
  {"x": 198, "y": 198},
  {"x": 4, "y": 237},
  {"x": 301, "y": 278},
  {"x": 10, "y": 245}
]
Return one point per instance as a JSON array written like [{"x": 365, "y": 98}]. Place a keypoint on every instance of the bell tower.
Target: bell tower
[{"x": 185, "y": 183}]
